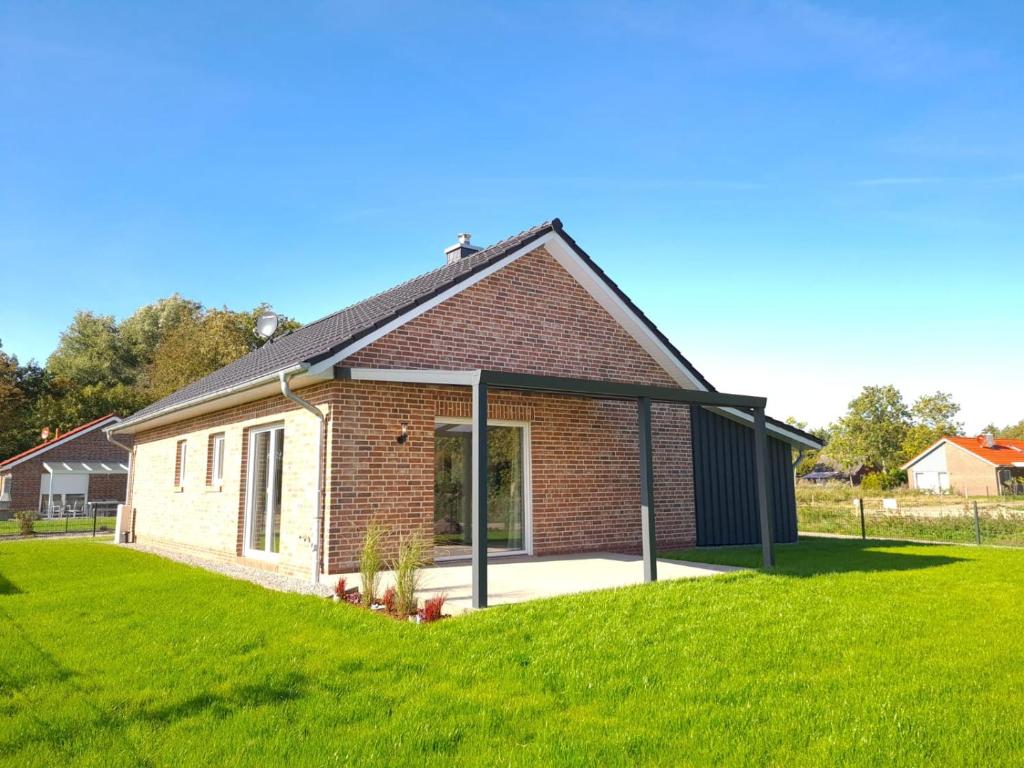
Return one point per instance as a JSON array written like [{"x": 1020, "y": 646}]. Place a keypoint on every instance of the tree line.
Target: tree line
[
  {"x": 103, "y": 366},
  {"x": 881, "y": 432}
]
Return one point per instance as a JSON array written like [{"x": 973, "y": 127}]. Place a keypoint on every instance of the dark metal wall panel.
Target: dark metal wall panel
[{"x": 724, "y": 488}]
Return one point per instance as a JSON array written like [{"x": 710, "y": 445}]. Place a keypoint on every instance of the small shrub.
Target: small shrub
[
  {"x": 353, "y": 597},
  {"x": 411, "y": 558},
  {"x": 26, "y": 521},
  {"x": 884, "y": 481},
  {"x": 370, "y": 561},
  {"x": 339, "y": 588},
  {"x": 431, "y": 610},
  {"x": 389, "y": 599}
]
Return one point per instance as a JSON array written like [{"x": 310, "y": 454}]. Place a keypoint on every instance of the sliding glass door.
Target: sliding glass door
[
  {"x": 507, "y": 490},
  {"x": 263, "y": 502}
]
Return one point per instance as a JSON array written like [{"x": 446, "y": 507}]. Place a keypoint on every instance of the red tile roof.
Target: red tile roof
[
  {"x": 59, "y": 438},
  {"x": 1003, "y": 453}
]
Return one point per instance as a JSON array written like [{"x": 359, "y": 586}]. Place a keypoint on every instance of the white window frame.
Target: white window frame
[
  {"x": 217, "y": 473},
  {"x": 527, "y": 483},
  {"x": 182, "y": 461},
  {"x": 247, "y": 550}
]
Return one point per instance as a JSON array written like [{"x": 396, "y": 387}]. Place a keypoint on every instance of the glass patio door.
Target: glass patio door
[
  {"x": 506, "y": 490},
  {"x": 263, "y": 502}
]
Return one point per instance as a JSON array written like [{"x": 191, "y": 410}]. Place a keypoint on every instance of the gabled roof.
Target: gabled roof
[
  {"x": 320, "y": 341},
  {"x": 67, "y": 437},
  {"x": 1004, "y": 453}
]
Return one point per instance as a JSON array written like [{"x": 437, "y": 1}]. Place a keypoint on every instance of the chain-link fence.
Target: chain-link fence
[{"x": 908, "y": 515}]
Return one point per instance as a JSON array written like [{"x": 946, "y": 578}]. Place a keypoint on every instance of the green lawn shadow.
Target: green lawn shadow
[{"x": 814, "y": 556}]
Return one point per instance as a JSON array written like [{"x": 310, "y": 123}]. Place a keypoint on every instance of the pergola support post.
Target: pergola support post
[
  {"x": 647, "y": 490},
  {"x": 761, "y": 473},
  {"x": 479, "y": 495}
]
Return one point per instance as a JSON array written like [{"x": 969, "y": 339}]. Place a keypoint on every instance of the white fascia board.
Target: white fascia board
[
  {"x": 781, "y": 432},
  {"x": 325, "y": 366},
  {"x": 113, "y": 419},
  {"x": 248, "y": 391},
  {"x": 602, "y": 293},
  {"x": 415, "y": 376},
  {"x": 930, "y": 449}
]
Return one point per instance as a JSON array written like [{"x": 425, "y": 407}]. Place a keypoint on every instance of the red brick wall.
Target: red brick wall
[
  {"x": 530, "y": 317},
  {"x": 584, "y": 456},
  {"x": 968, "y": 473},
  {"x": 533, "y": 317},
  {"x": 90, "y": 446}
]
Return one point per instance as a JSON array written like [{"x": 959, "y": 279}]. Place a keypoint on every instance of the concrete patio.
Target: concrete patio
[{"x": 518, "y": 579}]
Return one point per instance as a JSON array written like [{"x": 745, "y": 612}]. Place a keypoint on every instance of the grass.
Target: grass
[
  {"x": 853, "y": 653},
  {"x": 59, "y": 525}
]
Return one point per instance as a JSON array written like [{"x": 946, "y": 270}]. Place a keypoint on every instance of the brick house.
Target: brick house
[
  {"x": 977, "y": 466},
  {"x": 376, "y": 404},
  {"x": 66, "y": 473}
]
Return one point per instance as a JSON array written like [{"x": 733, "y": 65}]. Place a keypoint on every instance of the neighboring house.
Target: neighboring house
[
  {"x": 825, "y": 472},
  {"x": 977, "y": 466},
  {"x": 66, "y": 473},
  {"x": 229, "y": 466}
]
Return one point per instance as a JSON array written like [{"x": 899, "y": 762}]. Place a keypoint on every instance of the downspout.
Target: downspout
[
  {"x": 318, "y": 514},
  {"x": 796, "y": 462},
  {"x": 128, "y": 490}
]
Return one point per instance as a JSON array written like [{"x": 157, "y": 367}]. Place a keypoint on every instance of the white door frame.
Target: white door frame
[
  {"x": 527, "y": 483},
  {"x": 247, "y": 550}
]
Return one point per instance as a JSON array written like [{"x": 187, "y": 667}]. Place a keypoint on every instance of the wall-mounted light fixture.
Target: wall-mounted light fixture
[{"x": 404, "y": 436}]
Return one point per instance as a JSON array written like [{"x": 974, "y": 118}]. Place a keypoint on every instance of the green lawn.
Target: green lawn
[{"x": 852, "y": 654}]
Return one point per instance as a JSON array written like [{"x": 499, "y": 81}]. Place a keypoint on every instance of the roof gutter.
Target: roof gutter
[
  {"x": 318, "y": 512},
  {"x": 251, "y": 384}
]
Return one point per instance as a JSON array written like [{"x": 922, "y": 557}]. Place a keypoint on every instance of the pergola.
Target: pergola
[{"x": 482, "y": 381}]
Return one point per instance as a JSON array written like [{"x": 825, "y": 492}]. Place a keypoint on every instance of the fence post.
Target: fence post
[
  {"x": 977, "y": 525},
  {"x": 94, "y": 521},
  {"x": 863, "y": 527}
]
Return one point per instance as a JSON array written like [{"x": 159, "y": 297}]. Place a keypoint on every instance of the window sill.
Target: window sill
[
  {"x": 214, "y": 488},
  {"x": 179, "y": 489}
]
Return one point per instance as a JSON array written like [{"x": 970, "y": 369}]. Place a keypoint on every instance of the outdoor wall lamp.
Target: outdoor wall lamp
[{"x": 404, "y": 436}]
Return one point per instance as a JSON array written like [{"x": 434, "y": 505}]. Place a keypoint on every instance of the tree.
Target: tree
[
  {"x": 21, "y": 388},
  {"x": 1013, "y": 431},
  {"x": 143, "y": 331},
  {"x": 933, "y": 416},
  {"x": 811, "y": 457},
  {"x": 201, "y": 344},
  {"x": 93, "y": 374},
  {"x": 873, "y": 430},
  {"x": 101, "y": 366}
]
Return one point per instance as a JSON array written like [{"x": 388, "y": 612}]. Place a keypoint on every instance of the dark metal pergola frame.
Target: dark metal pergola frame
[{"x": 483, "y": 381}]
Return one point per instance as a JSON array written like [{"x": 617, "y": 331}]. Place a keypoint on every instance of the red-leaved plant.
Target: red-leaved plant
[
  {"x": 339, "y": 588},
  {"x": 389, "y": 599},
  {"x": 431, "y": 610}
]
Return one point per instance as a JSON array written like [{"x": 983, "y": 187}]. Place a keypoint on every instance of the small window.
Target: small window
[
  {"x": 5, "y": 491},
  {"x": 215, "y": 461},
  {"x": 179, "y": 464}
]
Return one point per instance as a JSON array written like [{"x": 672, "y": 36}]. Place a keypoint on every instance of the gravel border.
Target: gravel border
[{"x": 258, "y": 576}]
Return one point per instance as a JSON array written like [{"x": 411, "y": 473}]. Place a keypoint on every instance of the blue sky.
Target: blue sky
[{"x": 806, "y": 197}]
